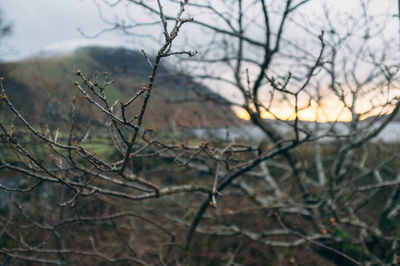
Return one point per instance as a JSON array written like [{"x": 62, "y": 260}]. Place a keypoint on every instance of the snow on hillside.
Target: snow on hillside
[{"x": 69, "y": 46}]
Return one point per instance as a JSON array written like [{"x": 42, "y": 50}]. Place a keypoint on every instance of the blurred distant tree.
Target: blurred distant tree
[{"x": 5, "y": 28}]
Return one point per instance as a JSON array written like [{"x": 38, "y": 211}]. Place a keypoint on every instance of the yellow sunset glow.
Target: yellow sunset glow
[
  {"x": 319, "y": 113},
  {"x": 242, "y": 114}
]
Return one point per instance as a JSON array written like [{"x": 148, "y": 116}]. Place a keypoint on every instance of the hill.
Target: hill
[
  {"x": 396, "y": 118},
  {"x": 41, "y": 88}
]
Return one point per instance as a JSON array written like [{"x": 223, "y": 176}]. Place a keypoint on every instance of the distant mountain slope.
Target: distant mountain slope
[
  {"x": 41, "y": 88},
  {"x": 396, "y": 118}
]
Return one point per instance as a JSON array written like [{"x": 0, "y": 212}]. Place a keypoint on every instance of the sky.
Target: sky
[{"x": 43, "y": 24}]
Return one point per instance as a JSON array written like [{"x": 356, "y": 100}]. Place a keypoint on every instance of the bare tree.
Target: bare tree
[{"x": 322, "y": 189}]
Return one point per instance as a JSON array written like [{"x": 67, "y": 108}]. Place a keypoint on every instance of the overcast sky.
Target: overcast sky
[{"x": 44, "y": 24}]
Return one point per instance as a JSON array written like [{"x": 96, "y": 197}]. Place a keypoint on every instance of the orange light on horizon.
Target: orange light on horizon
[
  {"x": 242, "y": 113},
  {"x": 314, "y": 113}
]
